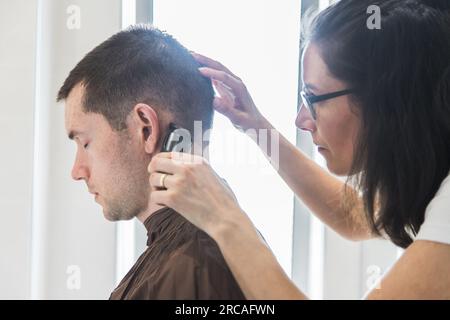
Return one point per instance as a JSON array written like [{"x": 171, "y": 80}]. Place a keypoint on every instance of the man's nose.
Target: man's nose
[
  {"x": 80, "y": 170},
  {"x": 304, "y": 120}
]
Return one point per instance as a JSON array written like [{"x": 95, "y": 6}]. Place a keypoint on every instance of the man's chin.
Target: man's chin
[
  {"x": 115, "y": 217},
  {"x": 109, "y": 217}
]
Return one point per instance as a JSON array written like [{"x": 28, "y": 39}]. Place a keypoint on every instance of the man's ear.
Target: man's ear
[{"x": 147, "y": 122}]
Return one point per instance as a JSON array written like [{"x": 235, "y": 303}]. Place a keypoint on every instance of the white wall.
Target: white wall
[
  {"x": 70, "y": 229},
  {"x": 352, "y": 268},
  {"x": 17, "y": 58},
  {"x": 53, "y": 236}
]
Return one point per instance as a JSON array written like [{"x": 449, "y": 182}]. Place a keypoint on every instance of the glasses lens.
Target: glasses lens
[{"x": 308, "y": 105}]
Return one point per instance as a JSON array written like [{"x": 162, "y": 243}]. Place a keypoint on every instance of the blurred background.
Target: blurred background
[{"x": 54, "y": 241}]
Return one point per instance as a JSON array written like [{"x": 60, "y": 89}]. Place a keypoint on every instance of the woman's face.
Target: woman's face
[{"x": 336, "y": 127}]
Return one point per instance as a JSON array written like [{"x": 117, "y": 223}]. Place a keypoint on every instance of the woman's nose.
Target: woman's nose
[{"x": 304, "y": 120}]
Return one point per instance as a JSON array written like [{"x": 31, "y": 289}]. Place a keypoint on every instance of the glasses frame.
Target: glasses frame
[{"x": 309, "y": 99}]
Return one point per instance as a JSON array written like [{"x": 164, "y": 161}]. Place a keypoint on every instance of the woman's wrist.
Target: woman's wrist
[
  {"x": 257, "y": 121},
  {"x": 236, "y": 227},
  {"x": 261, "y": 123},
  {"x": 262, "y": 135}
]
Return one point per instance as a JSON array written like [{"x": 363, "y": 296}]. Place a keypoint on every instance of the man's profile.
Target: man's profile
[{"x": 119, "y": 101}]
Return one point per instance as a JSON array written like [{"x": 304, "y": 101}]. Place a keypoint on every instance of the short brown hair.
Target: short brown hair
[{"x": 142, "y": 64}]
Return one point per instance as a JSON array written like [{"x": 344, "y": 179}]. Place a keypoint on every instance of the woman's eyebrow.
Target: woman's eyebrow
[{"x": 310, "y": 86}]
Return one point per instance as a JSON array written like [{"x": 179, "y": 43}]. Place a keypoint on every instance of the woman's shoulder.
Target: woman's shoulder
[
  {"x": 436, "y": 226},
  {"x": 444, "y": 189}
]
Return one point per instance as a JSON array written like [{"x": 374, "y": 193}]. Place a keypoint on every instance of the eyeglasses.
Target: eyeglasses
[{"x": 309, "y": 99}]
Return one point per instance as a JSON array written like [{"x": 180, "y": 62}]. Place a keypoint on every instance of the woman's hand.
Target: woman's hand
[
  {"x": 235, "y": 101},
  {"x": 193, "y": 189}
]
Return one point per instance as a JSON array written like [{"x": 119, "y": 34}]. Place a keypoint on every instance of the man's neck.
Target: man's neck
[{"x": 153, "y": 207}]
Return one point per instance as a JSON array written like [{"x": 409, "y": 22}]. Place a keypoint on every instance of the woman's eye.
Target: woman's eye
[
  {"x": 309, "y": 93},
  {"x": 86, "y": 145}
]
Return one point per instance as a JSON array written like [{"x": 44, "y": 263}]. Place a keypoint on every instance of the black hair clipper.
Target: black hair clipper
[{"x": 172, "y": 140}]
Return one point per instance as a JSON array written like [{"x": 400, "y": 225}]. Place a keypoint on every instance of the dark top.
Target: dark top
[{"x": 180, "y": 262}]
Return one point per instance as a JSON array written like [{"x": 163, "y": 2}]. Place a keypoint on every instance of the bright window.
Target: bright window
[{"x": 259, "y": 41}]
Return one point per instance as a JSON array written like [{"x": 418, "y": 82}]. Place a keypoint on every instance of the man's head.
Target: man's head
[{"x": 120, "y": 99}]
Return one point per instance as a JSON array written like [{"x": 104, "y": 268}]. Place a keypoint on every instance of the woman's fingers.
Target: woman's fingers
[
  {"x": 161, "y": 180},
  {"x": 161, "y": 197},
  {"x": 178, "y": 157},
  {"x": 224, "y": 90},
  {"x": 167, "y": 155},
  {"x": 169, "y": 162},
  {"x": 162, "y": 164},
  {"x": 194, "y": 190},
  {"x": 213, "y": 64},
  {"x": 226, "y": 100},
  {"x": 234, "y": 83},
  {"x": 234, "y": 100}
]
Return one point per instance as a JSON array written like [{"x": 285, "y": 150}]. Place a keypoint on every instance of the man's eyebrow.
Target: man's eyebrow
[{"x": 73, "y": 133}]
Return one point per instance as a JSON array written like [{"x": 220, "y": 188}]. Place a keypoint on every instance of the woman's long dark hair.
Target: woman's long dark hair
[{"x": 401, "y": 77}]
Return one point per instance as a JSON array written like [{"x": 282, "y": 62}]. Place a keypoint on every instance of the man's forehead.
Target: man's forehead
[
  {"x": 74, "y": 125},
  {"x": 75, "y": 117},
  {"x": 81, "y": 123}
]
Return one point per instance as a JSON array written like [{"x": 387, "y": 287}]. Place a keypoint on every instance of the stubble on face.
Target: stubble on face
[{"x": 128, "y": 184}]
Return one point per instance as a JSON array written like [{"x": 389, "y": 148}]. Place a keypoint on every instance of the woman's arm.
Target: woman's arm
[
  {"x": 322, "y": 193},
  {"x": 252, "y": 263},
  {"x": 421, "y": 273},
  {"x": 319, "y": 190},
  {"x": 196, "y": 192}
]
